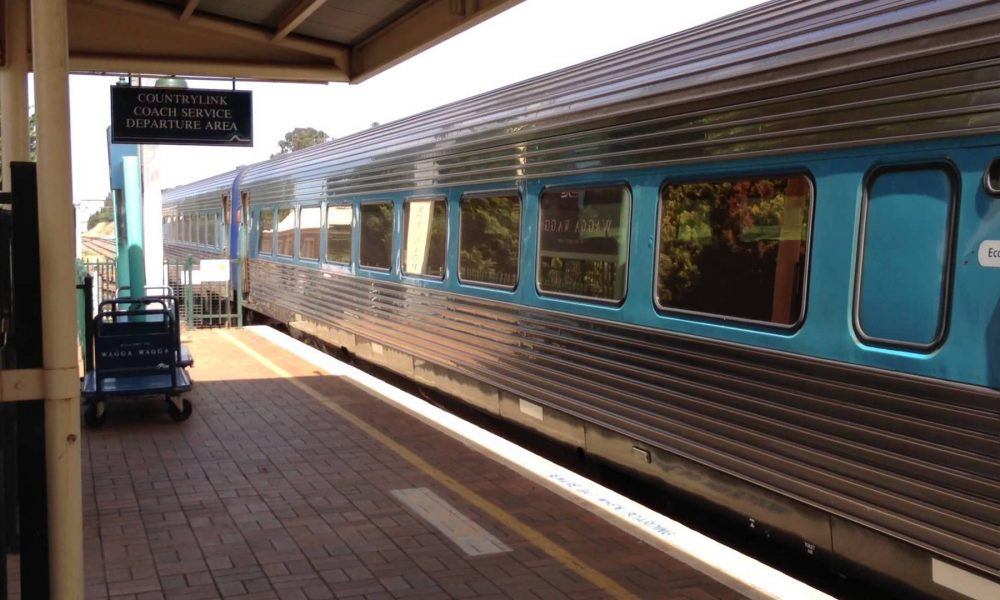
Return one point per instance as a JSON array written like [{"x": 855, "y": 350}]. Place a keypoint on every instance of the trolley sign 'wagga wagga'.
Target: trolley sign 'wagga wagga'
[{"x": 142, "y": 115}]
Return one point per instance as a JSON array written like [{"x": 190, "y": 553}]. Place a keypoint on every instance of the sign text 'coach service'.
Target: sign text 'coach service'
[{"x": 145, "y": 115}]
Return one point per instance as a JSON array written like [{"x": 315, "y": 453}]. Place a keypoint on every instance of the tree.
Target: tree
[
  {"x": 299, "y": 138},
  {"x": 105, "y": 215}
]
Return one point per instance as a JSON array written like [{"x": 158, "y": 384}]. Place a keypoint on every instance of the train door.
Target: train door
[
  {"x": 226, "y": 218},
  {"x": 244, "y": 240}
]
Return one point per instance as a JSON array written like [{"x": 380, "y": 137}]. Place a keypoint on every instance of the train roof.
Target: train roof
[{"x": 788, "y": 75}]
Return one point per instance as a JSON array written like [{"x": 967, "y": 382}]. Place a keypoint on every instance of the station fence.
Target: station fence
[{"x": 208, "y": 293}]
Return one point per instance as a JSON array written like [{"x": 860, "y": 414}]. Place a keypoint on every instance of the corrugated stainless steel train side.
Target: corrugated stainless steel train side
[{"x": 879, "y": 458}]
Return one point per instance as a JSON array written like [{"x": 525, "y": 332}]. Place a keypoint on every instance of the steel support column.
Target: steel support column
[{"x": 62, "y": 384}]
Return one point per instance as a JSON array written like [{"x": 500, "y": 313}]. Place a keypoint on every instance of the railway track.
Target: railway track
[{"x": 102, "y": 247}]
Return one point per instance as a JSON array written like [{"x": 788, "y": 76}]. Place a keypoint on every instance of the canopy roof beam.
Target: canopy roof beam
[{"x": 299, "y": 13}]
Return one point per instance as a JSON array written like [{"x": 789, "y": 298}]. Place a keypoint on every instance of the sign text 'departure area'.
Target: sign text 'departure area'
[{"x": 142, "y": 115}]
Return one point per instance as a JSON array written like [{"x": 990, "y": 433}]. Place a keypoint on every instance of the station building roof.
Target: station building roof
[{"x": 271, "y": 40}]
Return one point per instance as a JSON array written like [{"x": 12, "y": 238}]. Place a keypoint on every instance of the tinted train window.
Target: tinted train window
[
  {"x": 905, "y": 256},
  {"x": 338, "y": 234},
  {"x": 425, "y": 231},
  {"x": 584, "y": 242},
  {"x": 376, "y": 235},
  {"x": 490, "y": 239},
  {"x": 286, "y": 232},
  {"x": 213, "y": 228},
  {"x": 309, "y": 217},
  {"x": 735, "y": 249},
  {"x": 202, "y": 228},
  {"x": 265, "y": 240}
]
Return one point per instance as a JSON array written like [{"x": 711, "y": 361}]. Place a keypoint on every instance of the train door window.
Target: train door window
[
  {"x": 583, "y": 243},
  {"x": 376, "y": 235},
  {"x": 425, "y": 235},
  {"x": 265, "y": 237},
  {"x": 339, "y": 229},
  {"x": 490, "y": 239},
  {"x": 286, "y": 232},
  {"x": 735, "y": 249},
  {"x": 905, "y": 257},
  {"x": 309, "y": 217}
]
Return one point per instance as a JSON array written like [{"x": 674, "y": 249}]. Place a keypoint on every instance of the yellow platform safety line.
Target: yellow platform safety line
[{"x": 527, "y": 532}]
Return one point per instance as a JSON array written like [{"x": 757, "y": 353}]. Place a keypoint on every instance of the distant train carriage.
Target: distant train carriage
[{"x": 756, "y": 260}]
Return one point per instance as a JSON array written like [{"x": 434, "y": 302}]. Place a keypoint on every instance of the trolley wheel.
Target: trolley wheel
[
  {"x": 94, "y": 414},
  {"x": 179, "y": 414}
]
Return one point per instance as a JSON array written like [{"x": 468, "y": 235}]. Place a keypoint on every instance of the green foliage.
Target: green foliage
[
  {"x": 105, "y": 215},
  {"x": 491, "y": 239},
  {"x": 299, "y": 138}
]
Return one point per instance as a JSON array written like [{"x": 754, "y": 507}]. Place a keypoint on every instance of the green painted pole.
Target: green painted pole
[{"x": 133, "y": 224}]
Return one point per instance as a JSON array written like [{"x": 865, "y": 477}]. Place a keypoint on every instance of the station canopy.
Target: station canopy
[{"x": 270, "y": 40}]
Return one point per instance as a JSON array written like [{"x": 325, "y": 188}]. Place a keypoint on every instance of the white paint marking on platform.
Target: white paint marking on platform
[
  {"x": 738, "y": 571},
  {"x": 460, "y": 529},
  {"x": 963, "y": 582}
]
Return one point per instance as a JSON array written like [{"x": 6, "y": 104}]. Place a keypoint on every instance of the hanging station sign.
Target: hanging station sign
[{"x": 147, "y": 115}]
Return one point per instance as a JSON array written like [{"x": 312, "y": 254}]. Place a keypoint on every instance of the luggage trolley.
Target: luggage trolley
[
  {"x": 162, "y": 294},
  {"x": 137, "y": 352}
]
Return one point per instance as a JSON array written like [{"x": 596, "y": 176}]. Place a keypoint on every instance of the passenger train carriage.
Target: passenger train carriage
[{"x": 758, "y": 260}]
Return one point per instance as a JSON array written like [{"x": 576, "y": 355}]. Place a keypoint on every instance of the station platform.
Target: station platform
[{"x": 299, "y": 477}]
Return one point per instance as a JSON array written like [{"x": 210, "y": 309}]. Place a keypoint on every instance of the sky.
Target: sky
[{"x": 532, "y": 38}]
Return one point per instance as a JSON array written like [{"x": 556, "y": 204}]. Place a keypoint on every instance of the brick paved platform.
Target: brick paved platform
[{"x": 267, "y": 492}]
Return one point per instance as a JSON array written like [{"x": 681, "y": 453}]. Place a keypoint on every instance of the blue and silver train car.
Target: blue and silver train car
[{"x": 758, "y": 260}]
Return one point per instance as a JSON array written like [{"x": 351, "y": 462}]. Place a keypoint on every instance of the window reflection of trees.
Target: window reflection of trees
[
  {"x": 735, "y": 248},
  {"x": 376, "y": 235},
  {"x": 339, "y": 229},
  {"x": 425, "y": 231},
  {"x": 584, "y": 242},
  {"x": 490, "y": 239}
]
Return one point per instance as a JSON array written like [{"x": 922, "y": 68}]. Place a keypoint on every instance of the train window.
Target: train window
[
  {"x": 905, "y": 256},
  {"x": 339, "y": 229},
  {"x": 212, "y": 227},
  {"x": 286, "y": 232},
  {"x": 992, "y": 178},
  {"x": 309, "y": 217},
  {"x": 265, "y": 239},
  {"x": 376, "y": 235},
  {"x": 425, "y": 231},
  {"x": 490, "y": 239},
  {"x": 583, "y": 244},
  {"x": 735, "y": 249},
  {"x": 202, "y": 228}
]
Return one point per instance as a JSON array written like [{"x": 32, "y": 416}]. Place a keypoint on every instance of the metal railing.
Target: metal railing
[{"x": 204, "y": 299}]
